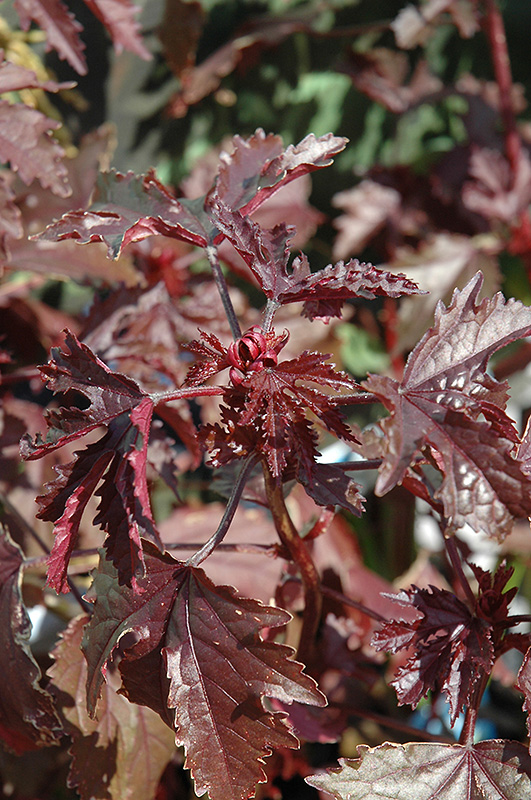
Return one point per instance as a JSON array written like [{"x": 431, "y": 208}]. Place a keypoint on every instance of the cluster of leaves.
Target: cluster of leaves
[{"x": 202, "y": 357}]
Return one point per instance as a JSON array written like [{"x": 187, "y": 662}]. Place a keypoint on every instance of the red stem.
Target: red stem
[
  {"x": 296, "y": 547},
  {"x": 495, "y": 31}
]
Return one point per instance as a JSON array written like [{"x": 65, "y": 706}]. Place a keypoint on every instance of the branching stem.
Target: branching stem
[
  {"x": 228, "y": 515},
  {"x": 296, "y": 547},
  {"x": 223, "y": 289}
]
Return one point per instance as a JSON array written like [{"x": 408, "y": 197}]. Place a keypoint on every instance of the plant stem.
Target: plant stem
[
  {"x": 451, "y": 549},
  {"x": 298, "y": 551},
  {"x": 389, "y": 722},
  {"x": 270, "y": 311},
  {"x": 186, "y": 393},
  {"x": 471, "y": 712},
  {"x": 356, "y": 466},
  {"x": 223, "y": 289},
  {"x": 348, "y": 601},
  {"x": 495, "y": 31},
  {"x": 355, "y": 399},
  {"x": 228, "y": 514}
]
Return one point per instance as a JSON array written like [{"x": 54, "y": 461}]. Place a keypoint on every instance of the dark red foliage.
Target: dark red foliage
[
  {"x": 453, "y": 646},
  {"x": 167, "y": 658}
]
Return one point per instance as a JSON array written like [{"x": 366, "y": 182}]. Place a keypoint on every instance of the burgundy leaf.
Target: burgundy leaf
[
  {"x": 118, "y": 16},
  {"x": 444, "y": 391},
  {"x": 124, "y": 749},
  {"x": 266, "y": 252},
  {"x": 329, "y": 485},
  {"x": 26, "y": 142},
  {"x": 213, "y": 355},
  {"x": 61, "y": 28},
  {"x": 180, "y": 32},
  {"x": 382, "y": 74},
  {"x": 259, "y": 166},
  {"x": 10, "y": 218},
  {"x": 204, "y": 644},
  {"x": 201, "y": 80},
  {"x": 490, "y": 770},
  {"x": 119, "y": 458},
  {"x": 27, "y": 714},
  {"x": 127, "y": 208},
  {"x": 452, "y": 647}
]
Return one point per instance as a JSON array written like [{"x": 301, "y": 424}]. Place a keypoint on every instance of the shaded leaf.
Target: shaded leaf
[
  {"x": 124, "y": 749},
  {"x": 442, "y": 263},
  {"x": 180, "y": 32},
  {"x": 366, "y": 209},
  {"x": 330, "y": 486},
  {"x": 414, "y": 26},
  {"x": 213, "y": 666},
  {"x": 493, "y": 190},
  {"x": 382, "y": 75},
  {"x": 27, "y": 714},
  {"x": 27, "y": 144},
  {"x": 444, "y": 391},
  {"x": 490, "y": 770}
]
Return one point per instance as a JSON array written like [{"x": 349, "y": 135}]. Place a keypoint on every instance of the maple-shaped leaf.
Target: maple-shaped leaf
[
  {"x": 127, "y": 208},
  {"x": 118, "y": 458},
  {"x": 323, "y": 292},
  {"x": 259, "y": 166},
  {"x": 62, "y": 29},
  {"x": 493, "y": 191},
  {"x": 124, "y": 749},
  {"x": 452, "y": 647},
  {"x": 496, "y": 769},
  {"x": 27, "y": 714},
  {"x": 447, "y": 401},
  {"x": 193, "y": 652}
]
